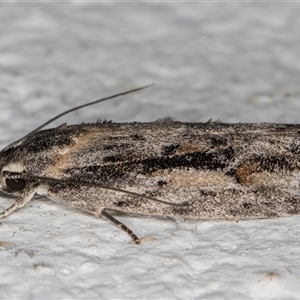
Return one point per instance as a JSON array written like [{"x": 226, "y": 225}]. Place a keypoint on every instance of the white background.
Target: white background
[{"x": 238, "y": 62}]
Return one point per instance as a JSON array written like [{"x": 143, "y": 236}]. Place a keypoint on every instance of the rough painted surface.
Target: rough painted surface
[{"x": 220, "y": 61}]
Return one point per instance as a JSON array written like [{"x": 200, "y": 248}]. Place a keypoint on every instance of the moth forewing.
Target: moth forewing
[{"x": 167, "y": 168}]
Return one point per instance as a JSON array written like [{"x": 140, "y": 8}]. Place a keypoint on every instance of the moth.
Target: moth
[{"x": 162, "y": 168}]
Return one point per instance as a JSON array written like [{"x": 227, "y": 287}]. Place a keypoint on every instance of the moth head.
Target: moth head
[{"x": 13, "y": 178}]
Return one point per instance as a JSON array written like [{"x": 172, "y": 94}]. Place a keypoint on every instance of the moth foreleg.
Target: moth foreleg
[
  {"x": 20, "y": 202},
  {"x": 121, "y": 225}
]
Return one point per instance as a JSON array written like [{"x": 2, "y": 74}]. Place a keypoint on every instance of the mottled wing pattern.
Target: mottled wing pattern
[{"x": 221, "y": 170}]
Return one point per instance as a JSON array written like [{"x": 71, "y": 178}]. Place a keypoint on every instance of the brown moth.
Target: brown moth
[{"x": 165, "y": 168}]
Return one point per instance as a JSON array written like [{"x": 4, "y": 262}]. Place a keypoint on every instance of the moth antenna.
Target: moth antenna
[
  {"x": 45, "y": 179},
  {"x": 73, "y": 109},
  {"x": 145, "y": 197}
]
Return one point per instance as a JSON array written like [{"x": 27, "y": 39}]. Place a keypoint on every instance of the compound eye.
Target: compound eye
[{"x": 15, "y": 184}]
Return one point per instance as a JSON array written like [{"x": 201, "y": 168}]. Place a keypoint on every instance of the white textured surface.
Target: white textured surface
[{"x": 238, "y": 62}]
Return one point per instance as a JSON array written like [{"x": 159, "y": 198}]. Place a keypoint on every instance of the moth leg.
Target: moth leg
[
  {"x": 120, "y": 225},
  {"x": 20, "y": 202}
]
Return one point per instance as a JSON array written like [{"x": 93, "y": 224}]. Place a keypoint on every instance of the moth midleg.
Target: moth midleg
[
  {"x": 20, "y": 202},
  {"x": 121, "y": 225}
]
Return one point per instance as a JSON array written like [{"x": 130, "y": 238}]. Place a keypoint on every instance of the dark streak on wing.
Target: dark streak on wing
[
  {"x": 46, "y": 139},
  {"x": 120, "y": 167}
]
